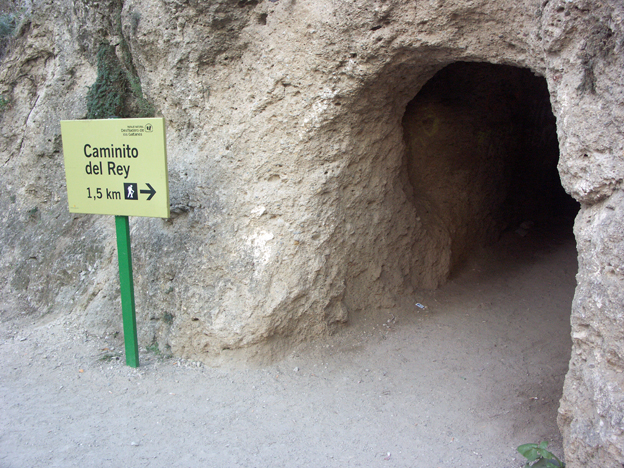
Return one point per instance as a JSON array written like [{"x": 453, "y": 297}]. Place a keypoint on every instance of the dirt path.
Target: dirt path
[{"x": 460, "y": 383}]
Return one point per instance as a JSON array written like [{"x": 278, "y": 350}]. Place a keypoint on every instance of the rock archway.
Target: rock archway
[{"x": 458, "y": 155}]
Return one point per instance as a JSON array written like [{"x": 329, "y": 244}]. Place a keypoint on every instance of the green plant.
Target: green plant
[
  {"x": 135, "y": 18},
  {"x": 539, "y": 457},
  {"x": 144, "y": 107},
  {"x": 105, "y": 98},
  {"x": 4, "y": 103},
  {"x": 160, "y": 354},
  {"x": 117, "y": 89},
  {"x": 154, "y": 348},
  {"x": 12, "y": 24},
  {"x": 8, "y": 24}
]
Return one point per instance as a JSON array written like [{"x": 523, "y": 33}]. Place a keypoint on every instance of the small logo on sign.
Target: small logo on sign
[
  {"x": 131, "y": 192},
  {"x": 149, "y": 127}
]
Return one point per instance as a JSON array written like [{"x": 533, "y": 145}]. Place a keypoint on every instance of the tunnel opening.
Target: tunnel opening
[{"x": 481, "y": 155}]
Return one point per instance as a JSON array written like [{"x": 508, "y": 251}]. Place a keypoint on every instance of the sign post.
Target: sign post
[
  {"x": 118, "y": 167},
  {"x": 126, "y": 285}
]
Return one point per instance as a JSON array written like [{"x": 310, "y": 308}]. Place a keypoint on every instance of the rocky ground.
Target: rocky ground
[{"x": 460, "y": 382}]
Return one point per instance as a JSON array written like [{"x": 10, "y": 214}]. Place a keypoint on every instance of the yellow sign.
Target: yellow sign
[{"x": 116, "y": 167}]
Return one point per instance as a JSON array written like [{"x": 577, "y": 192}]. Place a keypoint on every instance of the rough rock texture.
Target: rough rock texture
[{"x": 293, "y": 204}]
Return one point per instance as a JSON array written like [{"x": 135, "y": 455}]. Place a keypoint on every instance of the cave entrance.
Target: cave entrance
[{"x": 482, "y": 154}]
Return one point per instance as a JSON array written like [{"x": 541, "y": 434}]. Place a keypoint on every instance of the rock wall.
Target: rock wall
[{"x": 292, "y": 207}]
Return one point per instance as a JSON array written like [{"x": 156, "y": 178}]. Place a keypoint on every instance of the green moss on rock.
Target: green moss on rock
[
  {"x": 117, "y": 90},
  {"x": 107, "y": 95}
]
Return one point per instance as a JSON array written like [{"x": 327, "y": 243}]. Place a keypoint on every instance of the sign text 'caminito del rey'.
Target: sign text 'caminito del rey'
[{"x": 116, "y": 167}]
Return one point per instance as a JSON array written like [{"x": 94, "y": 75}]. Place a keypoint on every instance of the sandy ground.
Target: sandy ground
[{"x": 460, "y": 383}]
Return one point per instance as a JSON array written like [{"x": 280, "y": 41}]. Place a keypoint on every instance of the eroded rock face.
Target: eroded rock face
[{"x": 291, "y": 203}]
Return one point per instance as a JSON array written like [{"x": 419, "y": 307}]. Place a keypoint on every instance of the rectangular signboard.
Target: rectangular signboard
[{"x": 116, "y": 166}]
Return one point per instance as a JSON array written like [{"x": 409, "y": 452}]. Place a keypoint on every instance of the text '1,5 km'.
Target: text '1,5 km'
[{"x": 116, "y": 167}]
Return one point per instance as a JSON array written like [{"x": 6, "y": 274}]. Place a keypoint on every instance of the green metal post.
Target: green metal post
[{"x": 127, "y": 290}]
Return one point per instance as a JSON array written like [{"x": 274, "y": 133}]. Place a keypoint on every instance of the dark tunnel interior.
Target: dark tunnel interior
[{"x": 482, "y": 154}]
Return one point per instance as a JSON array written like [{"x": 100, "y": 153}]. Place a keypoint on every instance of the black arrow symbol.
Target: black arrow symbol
[{"x": 151, "y": 191}]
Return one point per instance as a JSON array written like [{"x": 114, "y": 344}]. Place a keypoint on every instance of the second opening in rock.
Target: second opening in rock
[{"x": 482, "y": 155}]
